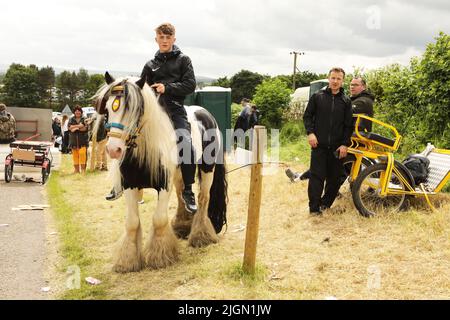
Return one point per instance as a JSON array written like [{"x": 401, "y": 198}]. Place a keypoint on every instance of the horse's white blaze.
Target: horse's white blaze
[{"x": 113, "y": 146}]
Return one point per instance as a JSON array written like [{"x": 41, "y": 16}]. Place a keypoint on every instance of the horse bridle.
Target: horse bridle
[{"x": 119, "y": 90}]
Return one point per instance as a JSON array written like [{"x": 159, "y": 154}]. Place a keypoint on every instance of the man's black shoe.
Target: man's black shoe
[
  {"x": 189, "y": 201},
  {"x": 305, "y": 175},
  {"x": 291, "y": 175},
  {"x": 113, "y": 195}
]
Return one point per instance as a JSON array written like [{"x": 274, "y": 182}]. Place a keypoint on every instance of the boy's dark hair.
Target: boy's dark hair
[
  {"x": 166, "y": 28},
  {"x": 336, "y": 69}
]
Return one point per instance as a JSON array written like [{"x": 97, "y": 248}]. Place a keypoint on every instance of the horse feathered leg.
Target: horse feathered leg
[
  {"x": 127, "y": 257},
  {"x": 182, "y": 221},
  {"x": 202, "y": 230},
  {"x": 161, "y": 249}
]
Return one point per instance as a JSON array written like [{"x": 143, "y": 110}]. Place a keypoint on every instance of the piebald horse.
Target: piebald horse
[{"x": 142, "y": 139}]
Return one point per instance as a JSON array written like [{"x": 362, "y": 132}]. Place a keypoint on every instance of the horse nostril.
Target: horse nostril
[{"x": 119, "y": 150}]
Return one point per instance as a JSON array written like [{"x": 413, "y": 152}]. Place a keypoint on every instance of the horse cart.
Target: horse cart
[{"x": 29, "y": 154}]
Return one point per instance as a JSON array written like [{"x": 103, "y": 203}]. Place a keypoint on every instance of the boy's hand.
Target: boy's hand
[{"x": 159, "y": 87}]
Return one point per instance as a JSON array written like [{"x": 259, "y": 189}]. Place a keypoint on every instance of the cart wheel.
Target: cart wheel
[
  {"x": 366, "y": 191},
  {"x": 46, "y": 171},
  {"x": 9, "y": 171},
  {"x": 348, "y": 164}
]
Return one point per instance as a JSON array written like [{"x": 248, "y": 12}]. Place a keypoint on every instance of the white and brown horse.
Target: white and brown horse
[{"x": 143, "y": 141}]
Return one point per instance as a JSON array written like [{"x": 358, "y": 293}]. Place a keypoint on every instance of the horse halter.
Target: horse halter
[{"x": 118, "y": 91}]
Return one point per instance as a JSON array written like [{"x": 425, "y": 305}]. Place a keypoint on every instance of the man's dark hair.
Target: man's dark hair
[
  {"x": 363, "y": 81},
  {"x": 336, "y": 69},
  {"x": 78, "y": 108},
  {"x": 166, "y": 28}
]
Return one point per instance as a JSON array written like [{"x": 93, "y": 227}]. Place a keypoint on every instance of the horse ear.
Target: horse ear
[
  {"x": 108, "y": 78},
  {"x": 141, "y": 82}
]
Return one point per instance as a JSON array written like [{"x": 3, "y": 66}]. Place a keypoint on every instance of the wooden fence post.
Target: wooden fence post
[{"x": 254, "y": 201}]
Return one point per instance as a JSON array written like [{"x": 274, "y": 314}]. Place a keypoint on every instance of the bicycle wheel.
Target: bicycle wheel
[
  {"x": 9, "y": 171},
  {"x": 367, "y": 187},
  {"x": 46, "y": 171},
  {"x": 348, "y": 164}
]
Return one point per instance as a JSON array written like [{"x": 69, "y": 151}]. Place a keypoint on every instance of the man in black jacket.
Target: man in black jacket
[
  {"x": 328, "y": 123},
  {"x": 171, "y": 75},
  {"x": 362, "y": 102}
]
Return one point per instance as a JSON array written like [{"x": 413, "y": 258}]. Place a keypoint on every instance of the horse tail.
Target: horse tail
[{"x": 218, "y": 198}]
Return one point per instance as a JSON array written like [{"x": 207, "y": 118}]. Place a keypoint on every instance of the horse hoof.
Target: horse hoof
[
  {"x": 181, "y": 232},
  {"x": 135, "y": 267},
  {"x": 202, "y": 240}
]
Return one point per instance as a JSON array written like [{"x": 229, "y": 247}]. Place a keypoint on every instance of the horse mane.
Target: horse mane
[{"x": 156, "y": 143}]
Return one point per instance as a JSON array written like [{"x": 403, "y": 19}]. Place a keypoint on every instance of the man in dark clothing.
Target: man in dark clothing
[
  {"x": 362, "y": 102},
  {"x": 328, "y": 123},
  {"x": 171, "y": 75}
]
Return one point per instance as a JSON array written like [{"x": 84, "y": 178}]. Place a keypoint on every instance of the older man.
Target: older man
[{"x": 362, "y": 101}]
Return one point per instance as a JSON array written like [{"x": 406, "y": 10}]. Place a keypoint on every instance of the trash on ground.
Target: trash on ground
[
  {"x": 93, "y": 281},
  {"x": 24, "y": 178},
  {"x": 30, "y": 207},
  {"x": 4, "y": 225},
  {"x": 239, "y": 228},
  {"x": 45, "y": 289},
  {"x": 327, "y": 239},
  {"x": 53, "y": 233}
]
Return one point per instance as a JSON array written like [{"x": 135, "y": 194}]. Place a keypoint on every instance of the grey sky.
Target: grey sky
[{"x": 221, "y": 37}]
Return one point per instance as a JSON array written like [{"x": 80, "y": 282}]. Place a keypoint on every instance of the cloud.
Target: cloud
[{"x": 222, "y": 37}]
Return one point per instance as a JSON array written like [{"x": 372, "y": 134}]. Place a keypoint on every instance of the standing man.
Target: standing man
[
  {"x": 170, "y": 74},
  {"x": 328, "y": 123},
  {"x": 362, "y": 102}
]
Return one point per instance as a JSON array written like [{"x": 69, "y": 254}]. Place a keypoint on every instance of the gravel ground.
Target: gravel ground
[{"x": 23, "y": 242}]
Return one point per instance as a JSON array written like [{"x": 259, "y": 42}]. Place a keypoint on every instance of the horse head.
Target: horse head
[{"x": 122, "y": 103}]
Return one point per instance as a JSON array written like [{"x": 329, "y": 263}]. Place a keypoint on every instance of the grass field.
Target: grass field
[{"x": 341, "y": 254}]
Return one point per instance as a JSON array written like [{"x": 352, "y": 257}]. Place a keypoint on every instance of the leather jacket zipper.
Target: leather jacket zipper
[{"x": 331, "y": 122}]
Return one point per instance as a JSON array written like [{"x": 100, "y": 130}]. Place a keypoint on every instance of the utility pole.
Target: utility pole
[{"x": 295, "y": 53}]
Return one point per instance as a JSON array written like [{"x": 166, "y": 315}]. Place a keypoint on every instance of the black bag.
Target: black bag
[{"x": 418, "y": 165}]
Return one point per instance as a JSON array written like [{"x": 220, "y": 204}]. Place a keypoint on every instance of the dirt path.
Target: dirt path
[{"x": 22, "y": 242}]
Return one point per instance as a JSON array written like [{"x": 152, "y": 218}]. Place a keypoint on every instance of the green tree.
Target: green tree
[
  {"x": 93, "y": 84},
  {"x": 21, "y": 87},
  {"x": 416, "y": 98},
  {"x": 243, "y": 84},
  {"x": 302, "y": 79},
  {"x": 272, "y": 96},
  {"x": 222, "y": 82},
  {"x": 46, "y": 82},
  {"x": 71, "y": 87}
]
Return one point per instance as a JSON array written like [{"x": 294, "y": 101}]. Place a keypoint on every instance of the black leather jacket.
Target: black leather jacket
[
  {"x": 329, "y": 117},
  {"x": 363, "y": 103},
  {"x": 175, "y": 71}
]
